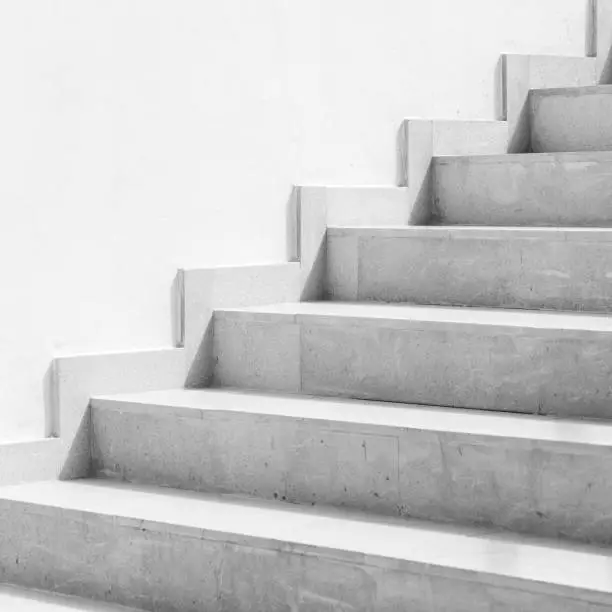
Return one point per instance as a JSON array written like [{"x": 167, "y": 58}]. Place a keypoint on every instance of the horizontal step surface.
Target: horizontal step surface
[
  {"x": 571, "y": 119},
  {"x": 184, "y": 551},
  {"x": 508, "y": 360},
  {"x": 14, "y": 599},
  {"x": 552, "y": 189},
  {"x": 525, "y": 473},
  {"x": 542, "y": 268}
]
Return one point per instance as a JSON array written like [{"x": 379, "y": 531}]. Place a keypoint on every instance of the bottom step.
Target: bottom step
[
  {"x": 13, "y": 599},
  {"x": 157, "y": 549}
]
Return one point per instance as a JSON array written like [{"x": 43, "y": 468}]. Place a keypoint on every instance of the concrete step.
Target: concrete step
[
  {"x": 179, "y": 551},
  {"x": 549, "y": 189},
  {"x": 505, "y": 360},
  {"x": 571, "y": 119},
  {"x": 528, "y": 474},
  {"x": 543, "y": 268},
  {"x": 14, "y": 599}
]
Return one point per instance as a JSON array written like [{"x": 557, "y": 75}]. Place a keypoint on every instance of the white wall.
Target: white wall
[{"x": 137, "y": 136}]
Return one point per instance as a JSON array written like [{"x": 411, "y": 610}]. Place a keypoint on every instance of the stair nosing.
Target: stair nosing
[
  {"x": 581, "y": 90},
  {"x": 475, "y": 232},
  {"x": 475, "y": 423},
  {"x": 532, "y": 158},
  {"x": 568, "y": 324}
]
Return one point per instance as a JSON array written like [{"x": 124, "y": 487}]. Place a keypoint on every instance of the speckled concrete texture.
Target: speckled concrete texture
[
  {"x": 547, "y": 268},
  {"x": 184, "y": 552},
  {"x": 524, "y": 473},
  {"x": 506, "y": 360},
  {"x": 571, "y": 119},
  {"x": 559, "y": 190}
]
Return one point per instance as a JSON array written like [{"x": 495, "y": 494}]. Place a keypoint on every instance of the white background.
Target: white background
[{"x": 138, "y": 136}]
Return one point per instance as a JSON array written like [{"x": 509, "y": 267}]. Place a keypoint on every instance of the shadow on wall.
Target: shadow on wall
[
  {"x": 606, "y": 73},
  {"x": 292, "y": 211},
  {"x": 77, "y": 462},
  {"x": 50, "y": 403},
  {"x": 421, "y": 205}
]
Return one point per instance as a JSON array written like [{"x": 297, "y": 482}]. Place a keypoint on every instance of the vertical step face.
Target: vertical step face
[
  {"x": 542, "y": 363},
  {"x": 571, "y": 119},
  {"x": 523, "y": 473},
  {"x": 178, "y": 552},
  {"x": 548, "y": 268},
  {"x": 559, "y": 190}
]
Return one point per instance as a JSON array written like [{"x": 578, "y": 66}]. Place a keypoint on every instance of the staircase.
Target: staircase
[{"x": 434, "y": 436}]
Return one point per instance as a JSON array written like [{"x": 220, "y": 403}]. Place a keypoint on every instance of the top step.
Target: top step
[{"x": 571, "y": 119}]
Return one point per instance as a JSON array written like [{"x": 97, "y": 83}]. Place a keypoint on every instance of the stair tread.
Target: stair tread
[
  {"x": 14, "y": 599},
  {"x": 407, "y": 315},
  {"x": 584, "y": 90},
  {"x": 192, "y": 402},
  {"x": 529, "y": 158},
  {"x": 454, "y": 232},
  {"x": 329, "y": 531}
]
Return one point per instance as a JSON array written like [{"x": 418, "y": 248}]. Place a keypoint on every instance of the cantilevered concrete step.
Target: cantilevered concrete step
[
  {"x": 571, "y": 119},
  {"x": 524, "y": 473},
  {"x": 14, "y": 599},
  {"x": 165, "y": 550},
  {"x": 542, "y": 268},
  {"x": 505, "y": 360},
  {"x": 552, "y": 189}
]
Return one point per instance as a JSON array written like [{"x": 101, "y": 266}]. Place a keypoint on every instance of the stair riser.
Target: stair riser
[
  {"x": 559, "y": 191},
  {"x": 570, "y": 121},
  {"x": 155, "y": 567},
  {"x": 554, "y": 271},
  {"x": 558, "y": 372},
  {"x": 536, "y": 487}
]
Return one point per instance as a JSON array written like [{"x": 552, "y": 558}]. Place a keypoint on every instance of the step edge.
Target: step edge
[
  {"x": 478, "y": 431},
  {"x": 532, "y": 158},
  {"x": 466, "y": 232},
  {"x": 584, "y": 90},
  {"x": 263, "y": 315}
]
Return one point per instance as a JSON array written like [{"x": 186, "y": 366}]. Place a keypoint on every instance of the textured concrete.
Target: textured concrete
[
  {"x": 545, "y": 268},
  {"x": 202, "y": 290},
  {"x": 70, "y": 384},
  {"x": 163, "y": 550},
  {"x": 497, "y": 359},
  {"x": 312, "y": 210},
  {"x": 75, "y": 379},
  {"x": 419, "y": 140},
  {"x": 521, "y": 73},
  {"x": 561, "y": 189},
  {"x": 574, "y": 119},
  {"x": 524, "y": 473}
]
